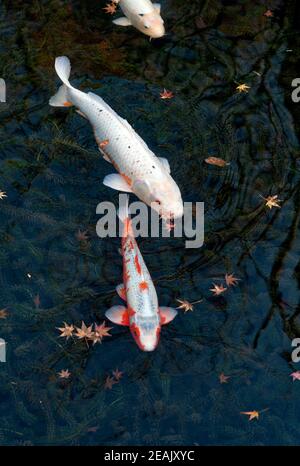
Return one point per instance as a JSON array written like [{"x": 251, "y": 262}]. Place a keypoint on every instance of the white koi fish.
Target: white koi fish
[
  {"x": 140, "y": 171},
  {"x": 142, "y": 314},
  {"x": 143, "y": 15}
]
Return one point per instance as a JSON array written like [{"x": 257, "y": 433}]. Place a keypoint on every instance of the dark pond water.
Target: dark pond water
[{"x": 52, "y": 174}]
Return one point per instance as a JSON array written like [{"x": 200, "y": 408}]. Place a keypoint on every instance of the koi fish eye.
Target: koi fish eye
[
  {"x": 146, "y": 27},
  {"x": 141, "y": 14}
]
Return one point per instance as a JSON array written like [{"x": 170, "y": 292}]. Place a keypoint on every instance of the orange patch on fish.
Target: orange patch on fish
[
  {"x": 125, "y": 318},
  {"x": 126, "y": 276},
  {"x": 68, "y": 104},
  {"x": 131, "y": 312},
  {"x": 143, "y": 286},
  {"x": 135, "y": 330},
  {"x": 103, "y": 143},
  {"x": 137, "y": 265},
  {"x": 162, "y": 319},
  {"x": 127, "y": 179}
]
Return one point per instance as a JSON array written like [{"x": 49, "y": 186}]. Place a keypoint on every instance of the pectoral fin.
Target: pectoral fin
[
  {"x": 105, "y": 156},
  {"x": 120, "y": 289},
  {"x": 118, "y": 315},
  {"x": 165, "y": 164},
  {"x": 157, "y": 6},
  {"x": 167, "y": 314},
  {"x": 81, "y": 114},
  {"x": 122, "y": 21},
  {"x": 117, "y": 182}
]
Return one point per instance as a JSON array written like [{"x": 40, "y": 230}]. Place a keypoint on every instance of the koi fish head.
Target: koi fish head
[
  {"x": 163, "y": 197},
  {"x": 146, "y": 336},
  {"x": 152, "y": 25},
  {"x": 167, "y": 201}
]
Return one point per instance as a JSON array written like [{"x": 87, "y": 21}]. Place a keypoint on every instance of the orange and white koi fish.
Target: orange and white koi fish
[
  {"x": 143, "y": 15},
  {"x": 142, "y": 314},
  {"x": 140, "y": 171}
]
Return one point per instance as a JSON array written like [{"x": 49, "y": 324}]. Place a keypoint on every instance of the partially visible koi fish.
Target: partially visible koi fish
[
  {"x": 143, "y": 15},
  {"x": 142, "y": 314}
]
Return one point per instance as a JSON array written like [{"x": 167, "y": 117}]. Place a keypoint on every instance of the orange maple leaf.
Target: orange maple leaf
[
  {"x": 110, "y": 8},
  {"x": 166, "y": 94}
]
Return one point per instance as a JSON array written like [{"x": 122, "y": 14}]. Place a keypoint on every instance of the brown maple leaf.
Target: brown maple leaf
[
  {"x": 84, "y": 331},
  {"x": 272, "y": 201},
  {"x": 109, "y": 382},
  {"x": 64, "y": 374},
  {"x": 218, "y": 289},
  {"x": 82, "y": 235},
  {"x": 117, "y": 374},
  {"x": 66, "y": 331},
  {"x": 253, "y": 414},
  {"x": 269, "y": 13},
  {"x": 3, "y": 313},
  {"x": 223, "y": 378},
  {"x": 231, "y": 280},
  {"x": 166, "y": 94},
  {"x": 110, "y": 8},
  {"x": 186, "y": 305},
  {"x": 216, "y": 161},
  {"x": 242, "y": 88},
  {"x": 102, "y": 330}
]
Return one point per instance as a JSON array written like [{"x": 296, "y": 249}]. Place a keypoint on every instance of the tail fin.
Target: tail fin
[{"x": 63, "y": 69}]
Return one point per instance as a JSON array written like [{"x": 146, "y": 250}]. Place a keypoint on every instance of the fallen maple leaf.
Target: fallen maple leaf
[
  {"x": 295, "y": 375},
  {"x": 64, "y": 374},
  {"x": 269, "y": 14},
  {"x": 186, "y": 305},
  {"x": 102, "y": 330},
  {"x": 231, "y": 280},
  {"x": 109, "y": 382},
  {"x": 166, "y": 94},
  {"x": 110, "y": 8},
  {"x": 66, "y": 331},
  {"x": 251, "y": 414},
  {"x": 82, "y": 235},
  {"x": 216, "y": 161},
  {"x": 218, "y": 289},
  {"x": 224, "y": 378},
  {"x": 272, "y": 201},
  {"x": 3, "y": 313},
  {"x": 117, "y": 374},
  {"x": 242, "y": 88},
  {"x": 254, "y": 414},
  {"x": 84, "y": 331}
]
